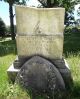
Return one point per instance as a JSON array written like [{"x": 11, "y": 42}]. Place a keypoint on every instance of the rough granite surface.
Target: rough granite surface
[{"x": 41, "y": 75}]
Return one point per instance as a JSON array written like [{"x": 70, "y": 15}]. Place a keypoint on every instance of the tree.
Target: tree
[
  {"x": 2, "y": 28},
  {"x": 78, "y": 23},
  {"x": 78, "y": 11},
  {"x": 67, "y": 4},
  {"x": 11, "y": 2}
]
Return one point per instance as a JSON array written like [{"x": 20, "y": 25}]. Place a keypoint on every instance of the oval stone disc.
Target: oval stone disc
[{"x": 39, "y": 74}]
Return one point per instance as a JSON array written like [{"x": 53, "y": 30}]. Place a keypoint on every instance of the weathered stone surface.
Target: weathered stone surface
[
  {"x": 63, "y": 67},
  {"x": 40, "y": 31},
  {"x": 67, "y": 77},
  {"x": 39, "y": 21},
  {"x": 48, "y": 46},
  {"x": 40, "y": 75},
  {"x": 64, "y": 70},
  {"x": 17, "y": 64},
  {"x": 12, "y": 73},
  {"x": 60, "y": 63}
]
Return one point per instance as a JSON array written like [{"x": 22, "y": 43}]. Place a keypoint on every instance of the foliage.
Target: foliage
[
  {"x": 15, "y": 1},
  {"x": 7, "y": 46},
  {"x": 2, "y": 28},
  {"x": 77, "y": 22},
  {"x": 11, "y": 2},
  {"x": 71, "y": 40},
  {"x": 8, "y": 32},
  {"x": 68, "y": 4},
  {"x": 78, "y": 11}
]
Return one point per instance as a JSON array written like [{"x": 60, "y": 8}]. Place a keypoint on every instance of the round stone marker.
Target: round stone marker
[{"x": 40, "y": 75}]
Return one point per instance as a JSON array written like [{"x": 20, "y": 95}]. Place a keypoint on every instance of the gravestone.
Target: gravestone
[
  {"x": 40, "y": 48},
  {"x": 42, "y": 33}
]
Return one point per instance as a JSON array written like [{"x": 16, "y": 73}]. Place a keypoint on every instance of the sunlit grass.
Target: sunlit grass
[
  {"x": 74, "y": 64},
  {"x": 5, "y": 62}
]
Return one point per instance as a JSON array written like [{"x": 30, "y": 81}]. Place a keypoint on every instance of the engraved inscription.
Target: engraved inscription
[
  {"x": 48, "y": 46},
  {"x": 37, "y": 29}
]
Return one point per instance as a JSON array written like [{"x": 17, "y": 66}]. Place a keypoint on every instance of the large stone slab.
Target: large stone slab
[
  {"x": 39, "y": 21},
  {"x": 48, "y": 46}
]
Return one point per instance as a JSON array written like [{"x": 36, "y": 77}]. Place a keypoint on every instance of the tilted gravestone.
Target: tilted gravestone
[{"x": 40, "y": 49}]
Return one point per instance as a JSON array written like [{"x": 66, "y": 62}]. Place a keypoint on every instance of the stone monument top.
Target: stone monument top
[
  {"x": 39, "y": 21},
  {"x": 40, "y": 31}
]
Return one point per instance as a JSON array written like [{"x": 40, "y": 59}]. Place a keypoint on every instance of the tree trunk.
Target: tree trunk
[{"x": 11, "y": 21}]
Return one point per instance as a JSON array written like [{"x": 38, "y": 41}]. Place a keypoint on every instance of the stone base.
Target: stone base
[
  {"x": 60, "y": 64},
  {"x": 12, "y": 73},
  {"x": 66, "y": 73}
]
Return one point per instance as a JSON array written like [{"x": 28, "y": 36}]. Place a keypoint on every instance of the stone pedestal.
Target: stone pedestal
[{"x": 40, "y": 33}]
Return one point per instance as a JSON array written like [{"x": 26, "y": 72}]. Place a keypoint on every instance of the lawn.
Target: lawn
[{"x": 8, "y": 54}]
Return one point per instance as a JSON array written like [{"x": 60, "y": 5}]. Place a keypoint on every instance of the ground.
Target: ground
[{"x": 8, "y": 54}]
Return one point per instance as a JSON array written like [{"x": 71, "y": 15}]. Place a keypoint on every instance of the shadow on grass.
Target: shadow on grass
[
  {"x": 7, "y": 47},
  {"x": 75, "y": 93},
  {"x": 71, "y": 43}
]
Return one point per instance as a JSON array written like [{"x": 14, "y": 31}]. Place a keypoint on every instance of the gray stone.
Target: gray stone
[
  {"x": 60, "y": 63},
  {"x": 17, "y": 64},
  {"x": 67, "y": 77},
  {"x": 12, "y": 73},
  {"x": 40, "y": 75},
  {"x": 63, "y": 67}
]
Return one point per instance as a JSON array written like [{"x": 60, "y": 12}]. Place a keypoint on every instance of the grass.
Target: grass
[
  {"x": 8, "y": 54},
  {"x": 72, "y": 43},
  {"x": 7, "y": 46},
  {"x": 74, "y": 63}
]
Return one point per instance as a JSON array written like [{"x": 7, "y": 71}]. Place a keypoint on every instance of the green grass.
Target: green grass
[
  {"x": 5, "y": 62},
  {"x": 7, "y": 46},
  {"x": 8, "y": 54},
  {"x": 74, "y": 63},
  {"x": 72, "y": 43}
]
